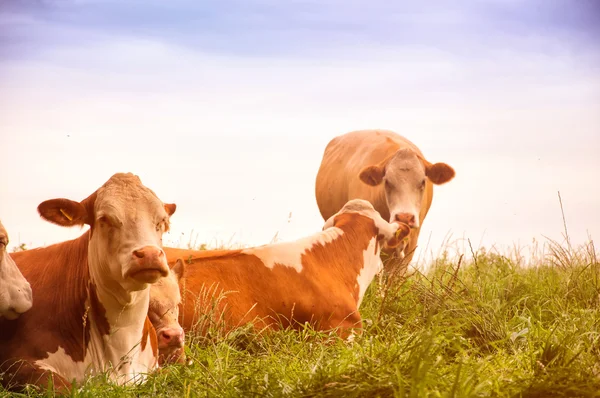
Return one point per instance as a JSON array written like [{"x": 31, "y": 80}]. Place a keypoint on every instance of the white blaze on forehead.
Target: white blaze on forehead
[
  {"x": 372, "y": 265},
  {"x": 289, "y": 254},
  {"x": 404, "y": 172}
]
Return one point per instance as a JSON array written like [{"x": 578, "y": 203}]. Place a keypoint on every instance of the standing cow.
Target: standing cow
[
  {"x": 387, "y": 170},
  {"x": 15, "y": 291}
]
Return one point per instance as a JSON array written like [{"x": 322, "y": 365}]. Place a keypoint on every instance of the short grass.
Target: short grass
[{"x": 485, "y": 327}]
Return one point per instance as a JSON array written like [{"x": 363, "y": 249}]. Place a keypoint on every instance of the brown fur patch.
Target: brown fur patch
[{"x": 98, "y": 311}]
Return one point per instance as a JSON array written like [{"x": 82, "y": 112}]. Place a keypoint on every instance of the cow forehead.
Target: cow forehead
[
  {"x": 125, "y": 195},
  {"x": 359, "y": 206},
  {"x": 166, "y": 291},
  {"x": 405, "y": 160}
]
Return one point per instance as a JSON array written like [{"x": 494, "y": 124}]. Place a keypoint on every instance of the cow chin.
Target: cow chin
[{"x": 171, "y": 355}]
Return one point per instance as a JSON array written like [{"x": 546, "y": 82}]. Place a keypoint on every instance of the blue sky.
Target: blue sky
[{"x": 225, "y": 107}]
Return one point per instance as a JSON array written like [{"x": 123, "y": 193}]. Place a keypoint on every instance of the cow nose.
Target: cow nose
[
  {"x": 407, "y": 218},
  {"x": 148, "y": 251},
  {"x": 171, "y": 337}
]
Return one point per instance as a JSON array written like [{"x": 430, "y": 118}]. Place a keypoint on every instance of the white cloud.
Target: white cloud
[{"x": 236, "y": 141}]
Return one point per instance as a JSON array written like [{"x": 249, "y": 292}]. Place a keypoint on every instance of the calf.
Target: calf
[
  {"x": 163, "y": 312},
  {"x": 92, "y": 293},
  {"x": 320, "y": 279},
  {"x": 15, "y": 291}
]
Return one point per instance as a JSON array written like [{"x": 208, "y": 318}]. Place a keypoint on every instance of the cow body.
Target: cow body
[
  {"x": 320, "y": 279},
  {"x": 92, "y": 293},
  {"x": 15, "y": 291},
  {"x": 385, "y": 169}
]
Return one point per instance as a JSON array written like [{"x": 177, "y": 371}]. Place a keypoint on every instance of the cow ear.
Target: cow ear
[
  {"x": 329, "y": 223},
  {"x": 179, "y": 269},
  {"x": 439, "y": 173},
  {"x": 170, "y": 208},
  {"x": 63, "y": 212},
  {"x": 395, "y": 241},
  {"x": 372, "y": 175}
]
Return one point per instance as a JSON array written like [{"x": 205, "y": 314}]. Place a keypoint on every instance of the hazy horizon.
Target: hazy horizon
[{"x": 225, "y": 109}]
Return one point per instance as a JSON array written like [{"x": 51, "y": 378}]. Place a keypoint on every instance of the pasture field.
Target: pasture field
[{"x": 481, "y": 326}]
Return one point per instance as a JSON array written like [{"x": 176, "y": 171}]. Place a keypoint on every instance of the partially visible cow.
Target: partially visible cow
[
  {"x": 92, "y": 293},
  {"x": 165, "y": 299},
  {"x": 387, "y": 170},
  {"x": 320, "y": 279},
  {"x": 15, "y": 291}
]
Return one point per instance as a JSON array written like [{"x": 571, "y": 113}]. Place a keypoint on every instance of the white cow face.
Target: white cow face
[
  {"x": 165, "y": 298},
  {"x": 127, "y": 222},
  {"x": 405, "y": 176},
  {"x": 15, "y": 291}
]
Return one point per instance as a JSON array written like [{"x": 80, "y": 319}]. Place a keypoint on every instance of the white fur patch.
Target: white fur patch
[
  {"x": 289, "y": 254},
  {"x": 118, "y": 353},
  {"x": 372, "y": 265},
  {"x": 15, "y": 291},
  {"x": 62, "y": 364}
]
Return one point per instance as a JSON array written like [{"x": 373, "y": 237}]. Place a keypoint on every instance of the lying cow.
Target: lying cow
[
  {"x": 320, "y": 279},
  {"x": 92, "y": 293},
  {"x": 15, "y": 291},
  {"x": 163, "y": 312},
  {"x": 387, "y": 170}
]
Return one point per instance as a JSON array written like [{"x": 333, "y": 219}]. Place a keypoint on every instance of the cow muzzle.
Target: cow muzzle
[
  {"x": 399, "y": 238},
  {"x": 170, "y": 346},
  {"x": 148, "y": 264},
  {"x": 171, "y": 337}
]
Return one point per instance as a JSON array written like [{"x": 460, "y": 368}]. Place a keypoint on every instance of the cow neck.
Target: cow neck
[
  {"x": 359, "y": 243},
  {"x": 124, "y": 311},
  {"x": 122, "y": 306}
]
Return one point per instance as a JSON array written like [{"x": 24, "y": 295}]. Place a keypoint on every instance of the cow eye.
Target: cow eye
[
  {"x": 422, "y": 186},
  {"x": 158, "y": 224}
]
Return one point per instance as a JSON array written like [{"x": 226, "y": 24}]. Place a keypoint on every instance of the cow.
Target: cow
[
  {"x": 320, "y": 279},
  {"x": 15, "y": 291},
  {"x": 163, "y": 312},
  {"x": 91, "y": 293},
  {"x": 387, "y": 170}
]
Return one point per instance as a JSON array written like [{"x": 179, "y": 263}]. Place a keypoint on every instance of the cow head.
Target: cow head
[
  {"x": 127, "y": 221},
  {"x": 405, "y": 175},
  {"x": 163, "y": 312},
  {"x": 389, "y": 234},
  {"x": 15, "y": 291}
]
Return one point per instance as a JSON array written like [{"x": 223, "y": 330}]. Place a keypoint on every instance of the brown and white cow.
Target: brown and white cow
[
  {"x": 91, "y": 293},
  {"x": 320, "y": 279},
  {"x": 165, "y": 299},
  {"x": 15, "y": 291},
  {"x": 387, "y": 170}
]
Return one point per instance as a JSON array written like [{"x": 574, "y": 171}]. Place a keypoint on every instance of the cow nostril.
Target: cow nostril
[
  {"x": 138, "y": 253},
  {"x": 165, "y": 336},
  {"x": 405, "y": 218}
]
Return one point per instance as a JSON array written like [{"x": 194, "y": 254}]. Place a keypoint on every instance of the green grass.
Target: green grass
[{"x": 484, "y": 327}]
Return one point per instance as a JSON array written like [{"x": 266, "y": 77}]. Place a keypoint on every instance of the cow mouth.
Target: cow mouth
[
  {"x": 147, "y": 275},
  {"x": 11, "y": 314},
  {"x": 171, "y": 355}
]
